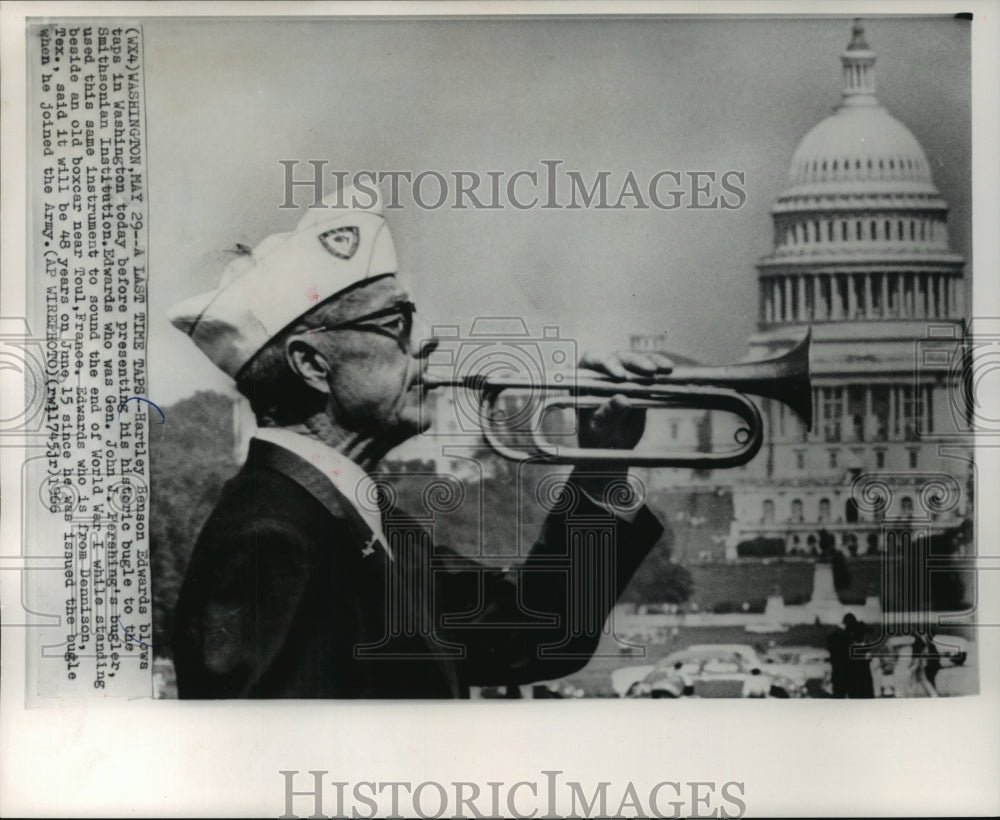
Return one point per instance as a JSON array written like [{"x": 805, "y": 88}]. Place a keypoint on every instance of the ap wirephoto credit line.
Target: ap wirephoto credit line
[{"x": 368, "y": 360}]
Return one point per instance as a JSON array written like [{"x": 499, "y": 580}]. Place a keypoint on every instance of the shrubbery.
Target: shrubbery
[
  {"x": 191, "y": 457},
  {"x": 761, "y": 547},
  {"x": 755, "y": 606}
]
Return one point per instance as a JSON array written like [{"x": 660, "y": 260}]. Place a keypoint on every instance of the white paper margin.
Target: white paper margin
[{"x": 147, "y": 758}]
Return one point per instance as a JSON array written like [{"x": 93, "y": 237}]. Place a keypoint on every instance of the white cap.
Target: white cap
[{"x": 286, "y": 276}]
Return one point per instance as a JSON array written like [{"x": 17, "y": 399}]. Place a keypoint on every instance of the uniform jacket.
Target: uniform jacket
[{"x": 286, "y": 597}]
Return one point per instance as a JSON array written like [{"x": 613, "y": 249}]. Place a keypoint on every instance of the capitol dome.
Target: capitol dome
[
  {"x": 861, "y": 234},
  {"x": 864, "y": 148},
  {"x": 860, "y": 150}
]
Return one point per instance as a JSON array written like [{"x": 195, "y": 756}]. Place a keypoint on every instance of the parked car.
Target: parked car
[
  {"x": 714, "y": 671},
  {"x": 808, "y": 666},
  {"x": 745, "y": 651},
  {"x": 624, "y": 678}
]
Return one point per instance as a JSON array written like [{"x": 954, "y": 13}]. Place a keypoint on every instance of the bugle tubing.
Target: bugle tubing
[{"x": 784, "y": 378}]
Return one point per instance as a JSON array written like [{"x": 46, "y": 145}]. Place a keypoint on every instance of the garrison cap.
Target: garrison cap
[{"x": 286, "y": 276}]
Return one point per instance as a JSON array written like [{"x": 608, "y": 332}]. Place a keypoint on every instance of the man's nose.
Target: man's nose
[
  {"x": 427, "y": 342},
  {"x": 428, "y": 346}
]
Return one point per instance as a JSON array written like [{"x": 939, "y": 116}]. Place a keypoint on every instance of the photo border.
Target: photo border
[{"x": 159, "y": 758}]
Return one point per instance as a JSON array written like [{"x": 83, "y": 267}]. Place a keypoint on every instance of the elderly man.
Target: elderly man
[{"x": 293, "y": 588}]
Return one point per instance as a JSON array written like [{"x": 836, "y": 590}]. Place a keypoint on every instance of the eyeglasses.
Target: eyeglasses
[{"x": 398, "y": 324}]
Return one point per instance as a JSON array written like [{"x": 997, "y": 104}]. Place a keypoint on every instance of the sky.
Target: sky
[{"x": 227, "y": 100}]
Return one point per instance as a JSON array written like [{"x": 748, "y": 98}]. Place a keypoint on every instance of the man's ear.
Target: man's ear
[{"x": 308, "y": 363}]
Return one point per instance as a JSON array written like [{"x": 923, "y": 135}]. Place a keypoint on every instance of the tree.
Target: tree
[
  {"x": 191, "y": 457},
  {"x": 946, "y": 587},
  {"x": 761, "y": 547},
  {"x": 659, "y": 580}
]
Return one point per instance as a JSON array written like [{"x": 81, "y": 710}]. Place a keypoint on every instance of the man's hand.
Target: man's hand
[
  {"x": 625, "y": 363},
  {"x": 615, "y": 424}
]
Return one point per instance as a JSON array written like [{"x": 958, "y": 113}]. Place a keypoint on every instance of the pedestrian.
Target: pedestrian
[
  {"x": 839, "y": 645},
  {"x": 860, "y": 683}
]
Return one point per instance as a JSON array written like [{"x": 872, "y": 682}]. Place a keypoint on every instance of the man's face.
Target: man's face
[{"x": 375, "y": 364}]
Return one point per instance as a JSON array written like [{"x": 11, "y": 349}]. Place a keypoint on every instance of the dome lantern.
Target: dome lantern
[{"x": 859, "y": 69}]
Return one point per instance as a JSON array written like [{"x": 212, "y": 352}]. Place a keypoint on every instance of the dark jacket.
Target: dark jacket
[{"x": 286, "y": 598}]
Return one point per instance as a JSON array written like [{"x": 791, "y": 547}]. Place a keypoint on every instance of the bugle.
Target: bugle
[{"x": 784, "y": 378}]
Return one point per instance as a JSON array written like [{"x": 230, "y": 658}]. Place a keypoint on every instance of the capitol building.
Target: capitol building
[
  {"x": 861, "y": 260},
  {"x": 861, "y": 256}
]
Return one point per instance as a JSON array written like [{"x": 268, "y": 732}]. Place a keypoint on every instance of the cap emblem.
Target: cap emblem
[{"x": 341, "y": 242}]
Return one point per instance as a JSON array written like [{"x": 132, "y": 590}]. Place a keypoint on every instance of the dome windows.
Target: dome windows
[
  {"x": 888, "y": 150},
  {"x": 875, "y": 167}
]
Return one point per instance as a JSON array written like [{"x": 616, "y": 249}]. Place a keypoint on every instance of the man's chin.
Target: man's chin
[
  {"x": 419, "y": 415},
  {"x": 425, "y": 422}
]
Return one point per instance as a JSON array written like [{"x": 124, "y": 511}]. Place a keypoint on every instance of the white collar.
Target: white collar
[{"x": 350, "y": 480}]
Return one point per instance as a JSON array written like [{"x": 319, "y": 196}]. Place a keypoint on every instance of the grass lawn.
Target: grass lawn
[{"x": 732, "y": 584}]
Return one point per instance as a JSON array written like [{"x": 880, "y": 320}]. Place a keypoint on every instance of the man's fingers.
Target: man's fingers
[
  {"x": 646, "y": 364},
  {"x": 615, "y": 424},
  {"x": 611, "y": 412},
  {"x": 638, "y": 363},
  {"x": 608, "y": 364},
  {"x": 619, "y": 404},
  {"x": 664, "y": 364},
  {"x": 616, "y": 408},
  {"x": 620, "y": 365}
]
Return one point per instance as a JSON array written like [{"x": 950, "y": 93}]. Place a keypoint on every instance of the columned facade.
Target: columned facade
[{"x": 861, "y": 256}]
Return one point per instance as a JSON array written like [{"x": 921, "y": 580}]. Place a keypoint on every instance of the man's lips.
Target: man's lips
[{"x": 422, "y": 383}]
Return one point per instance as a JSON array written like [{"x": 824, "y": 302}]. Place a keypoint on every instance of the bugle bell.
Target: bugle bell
[{"x": 784, "y": 378}]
